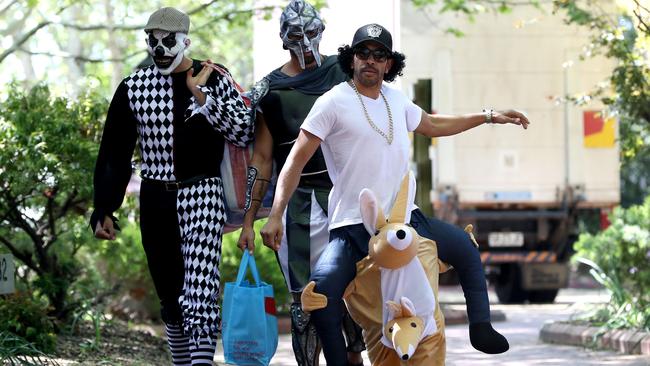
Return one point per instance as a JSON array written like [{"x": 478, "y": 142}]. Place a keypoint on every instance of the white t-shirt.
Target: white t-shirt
[{"x": 356, "y": 155}]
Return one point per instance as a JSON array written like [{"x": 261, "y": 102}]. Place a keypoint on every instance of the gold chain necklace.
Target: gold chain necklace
[{"x": 389, "y": 137}]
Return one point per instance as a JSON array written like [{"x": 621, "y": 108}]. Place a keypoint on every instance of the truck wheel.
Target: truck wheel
[
  {"x": 508, "y": 285},
  {"x": 542, "y": 296}
]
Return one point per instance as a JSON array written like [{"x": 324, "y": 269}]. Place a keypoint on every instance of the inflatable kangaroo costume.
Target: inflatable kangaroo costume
[{"x": 394, "y": 296}]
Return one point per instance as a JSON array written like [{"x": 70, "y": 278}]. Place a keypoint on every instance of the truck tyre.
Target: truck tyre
[
  {"x": 508, "y": 285},
  {"x": 542, "y": 296}
]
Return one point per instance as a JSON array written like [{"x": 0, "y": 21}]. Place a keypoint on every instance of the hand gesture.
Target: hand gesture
[
  {"x": 247, "y": 239},
  {"x": 510, "y": 116},
  {"x": 272, "y": 233},
  {"x": 105, "y": 229},
  {"x": 193, "y": 82}
]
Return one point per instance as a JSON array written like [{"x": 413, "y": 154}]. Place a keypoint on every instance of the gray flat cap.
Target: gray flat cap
[{"x": 168, "y": 19}]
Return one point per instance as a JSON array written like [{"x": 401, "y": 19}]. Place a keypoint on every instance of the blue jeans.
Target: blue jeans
[{"x": 336, "y": 268}]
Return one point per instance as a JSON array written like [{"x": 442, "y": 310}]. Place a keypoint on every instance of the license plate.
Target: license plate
[{"x": 506, "y": 239}]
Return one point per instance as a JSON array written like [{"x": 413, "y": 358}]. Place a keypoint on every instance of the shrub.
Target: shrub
[
  {"x": 24, "y": 321},
  {"x": 48, "y": 146},
  {"x": 620, "y": 260}
]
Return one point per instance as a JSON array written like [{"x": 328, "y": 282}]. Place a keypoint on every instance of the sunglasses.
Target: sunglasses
[{"x": 379, "y": 54}]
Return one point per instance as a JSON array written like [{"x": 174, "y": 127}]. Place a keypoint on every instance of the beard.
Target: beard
[
  {"x": 309, "y": 59},
  {"x": 367, "y": 79}
]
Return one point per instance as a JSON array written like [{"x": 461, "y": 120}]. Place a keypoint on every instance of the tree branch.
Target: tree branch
[
  {"x": 131, "y": 27},
  {"x": 20, "y": 222},
  {"x": 637, "y": 13},
  {"x": 23, "y": 256},
  {"x": 638, "y": 4},
  {"x": 4, "y": 10},
  {"x": 82, "y": 57},
  {"x": 18, "y": 44},
  {"x": 201, "y": 7},
  {"x": 69, "y": 202},
  {"x": 51, "y": 222},
  {"x": 514, "y": 2},
  {"x": 229, "y": 15},
  {"x": 96, "y": 27},
  {"x": 25, "y": 37}
]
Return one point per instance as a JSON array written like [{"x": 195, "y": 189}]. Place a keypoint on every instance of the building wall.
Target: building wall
[{"x": 509, "y": 61}]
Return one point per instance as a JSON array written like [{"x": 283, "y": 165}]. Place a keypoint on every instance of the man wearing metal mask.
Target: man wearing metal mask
[
  {"x": 281, "y": 101},
  {"x": 181, "y": 111},
  {"x": 301, "y": 30},
  {"x": 362, "y": 127}
]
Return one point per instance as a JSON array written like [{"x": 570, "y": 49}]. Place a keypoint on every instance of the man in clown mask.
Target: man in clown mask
[
  {"x": 281, "y": 101},
  {"x": 181, "y": 111}
]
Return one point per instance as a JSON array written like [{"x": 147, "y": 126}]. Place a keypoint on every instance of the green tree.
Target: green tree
[
  {"x": 47, "y": 151},
  {"x": 103, "y": 39},
  {"x": 623, "y": 35}
]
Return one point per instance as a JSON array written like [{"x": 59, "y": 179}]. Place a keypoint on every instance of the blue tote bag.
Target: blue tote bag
[{"x": 249, "y": 325}]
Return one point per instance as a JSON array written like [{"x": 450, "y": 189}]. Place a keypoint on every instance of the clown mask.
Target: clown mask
[{"x": 167, "y": 49}]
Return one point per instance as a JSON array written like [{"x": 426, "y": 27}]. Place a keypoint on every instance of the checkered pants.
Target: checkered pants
[
  {"x": 181, "y": 235},
  {"x": 201, "y": 217}
]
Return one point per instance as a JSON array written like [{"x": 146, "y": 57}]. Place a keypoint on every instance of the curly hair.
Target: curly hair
[{"x": 346, "y": 55}]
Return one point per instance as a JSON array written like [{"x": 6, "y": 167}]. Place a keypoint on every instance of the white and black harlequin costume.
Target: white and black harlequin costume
[{"x": 181, "y": 198}]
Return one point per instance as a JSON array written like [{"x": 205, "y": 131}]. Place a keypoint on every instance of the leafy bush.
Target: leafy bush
[
  {"x": 24, "y": 321},
  {"x": 121, "y": 267},
  {"x": 123, "y": 262},
  {"x": 620, "y": 260},
  {"x": 48, "y": 146}
]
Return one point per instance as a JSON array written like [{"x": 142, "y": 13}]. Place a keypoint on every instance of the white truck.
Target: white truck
[{"x": 522, "y": 190}]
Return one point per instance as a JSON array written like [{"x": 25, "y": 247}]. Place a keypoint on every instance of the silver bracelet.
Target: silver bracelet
[{"x": 488, "y": 115}]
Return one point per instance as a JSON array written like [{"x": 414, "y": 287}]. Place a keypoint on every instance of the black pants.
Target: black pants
[{"x": 162, "y": 244}]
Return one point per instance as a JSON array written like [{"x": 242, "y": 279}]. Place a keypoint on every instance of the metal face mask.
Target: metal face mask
[
  {"x": 301, "y": 29},
  {"x": 166, "y": 49}
]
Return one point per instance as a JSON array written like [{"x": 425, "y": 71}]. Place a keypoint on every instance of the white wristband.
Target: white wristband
[{"x": 488, "y": 115}]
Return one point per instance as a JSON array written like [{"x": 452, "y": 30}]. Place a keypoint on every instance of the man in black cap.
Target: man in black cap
[
  {"x": 280, "y": 103},
  {"x": 362, "y": 128},
  {"x": 181, "y": 111}
]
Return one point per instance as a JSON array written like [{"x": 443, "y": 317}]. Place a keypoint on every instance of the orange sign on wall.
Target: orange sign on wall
[{"x": 598, "y": 132}]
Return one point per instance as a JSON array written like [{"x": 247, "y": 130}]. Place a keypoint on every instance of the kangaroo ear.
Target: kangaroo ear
[
  {"x": 408, "y": 309},
  {"x": 371, "y": 214},
  {"x": 394, "y": 309},
  {"x": 401, "y": 211}
]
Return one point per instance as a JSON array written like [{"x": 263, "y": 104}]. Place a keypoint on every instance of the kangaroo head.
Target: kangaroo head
[
  {"x": 393, "y": 243},
  {"x": 404, "y": 329}
]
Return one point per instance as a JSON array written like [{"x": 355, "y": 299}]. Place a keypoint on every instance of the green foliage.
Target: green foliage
[
  {"x": 47, "y": 151},
  {"x": 120, "y": 266},
  {"x": 621, "y": 35},
  {"x": 471, "y": 8},
  {"x": 265, "y": 259},
  {"x": 25, "y": 325},
  {"x": 104, "y": 40},
  {"x": 620, "y": 258},
  {"x": 15, "y": 350}
]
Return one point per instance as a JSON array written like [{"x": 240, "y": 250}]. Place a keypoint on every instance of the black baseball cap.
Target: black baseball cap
[{"x": 373, "y": 32}]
